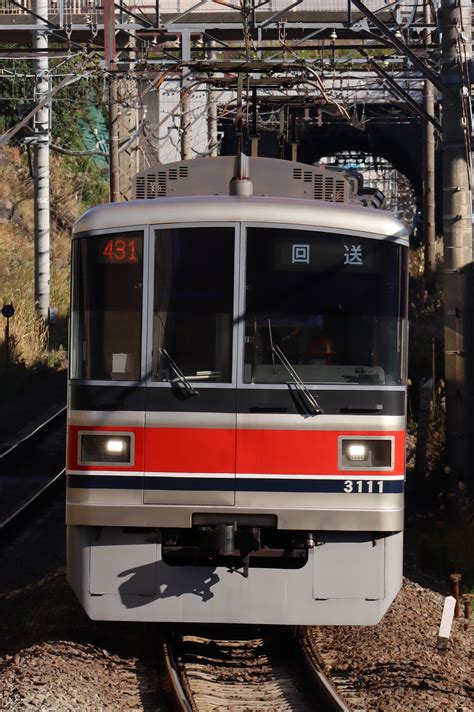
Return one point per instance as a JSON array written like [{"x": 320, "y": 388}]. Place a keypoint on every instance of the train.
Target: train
[{"x": 237, "y": 398}]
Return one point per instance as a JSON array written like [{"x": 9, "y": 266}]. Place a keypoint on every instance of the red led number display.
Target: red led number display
[{"x": 119, "y": 250}]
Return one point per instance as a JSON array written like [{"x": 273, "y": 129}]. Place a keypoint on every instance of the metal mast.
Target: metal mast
[
  {"x": 114, "y": 167},
  {"x": 455, "y": 26},
  {"x": 429, "y": 220},
  {"x": 41, "y": 166},
  {"x": 212, "y": 110},
  {"x": 186, "y": 105}
]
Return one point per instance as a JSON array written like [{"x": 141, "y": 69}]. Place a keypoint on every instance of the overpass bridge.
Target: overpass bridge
[
  {"x": 192, "y": 75},
  {"x": 223, "y": 16}
]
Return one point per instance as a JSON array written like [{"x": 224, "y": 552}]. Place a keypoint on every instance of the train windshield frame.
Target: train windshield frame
[
  {"x": 330, "y": 305},
  {"x": 238, "y": 305},
  {"x": 194, "y": 302},
  {"x": 106, "y": 306}
]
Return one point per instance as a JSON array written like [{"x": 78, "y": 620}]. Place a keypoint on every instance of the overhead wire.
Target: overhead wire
[{"x": 333, "y": 97}]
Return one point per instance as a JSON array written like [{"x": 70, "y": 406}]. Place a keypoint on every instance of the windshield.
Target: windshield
[
  {"x": 106, "y": 307},
  {"x": 333, "y": 304},
  {"x": 193, "y": 304}
]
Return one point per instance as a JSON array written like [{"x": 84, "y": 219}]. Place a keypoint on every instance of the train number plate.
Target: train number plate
[{"x": 368, "y": 486}]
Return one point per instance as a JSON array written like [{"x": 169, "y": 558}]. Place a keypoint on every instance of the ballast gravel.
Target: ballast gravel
[
  {"x": 63, "y": 675},
  {"x": 395, "y": 666},
  {"x": 52, "y": 657}
]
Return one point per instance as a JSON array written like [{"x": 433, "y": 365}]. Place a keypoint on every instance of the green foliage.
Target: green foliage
[
  {"x": 71, "y": 122},
  {"x": 70, "y": 119},
  {"x": 16, "y": 95},
  {"x": 93, "y": 186}
]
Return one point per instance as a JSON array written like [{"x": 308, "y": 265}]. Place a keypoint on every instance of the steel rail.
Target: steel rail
[
  {"x": 320, "y": 688},
  {"x": 33, "y": 433},
  {"x": 30, "y": 501},
  {"x": 174, "y": 693},
  {"x": 313, "y": 670}
]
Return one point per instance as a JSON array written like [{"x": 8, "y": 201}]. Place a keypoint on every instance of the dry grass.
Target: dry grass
[{"x": 29, "y": 345}]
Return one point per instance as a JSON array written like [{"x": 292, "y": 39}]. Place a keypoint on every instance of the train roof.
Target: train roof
[
  {"x": 346, "y": 217},
  {"x": 252, "y": 175}
]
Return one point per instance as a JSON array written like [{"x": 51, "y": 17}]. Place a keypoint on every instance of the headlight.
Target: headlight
[
  {"x": 356, "y": 451},
  {"x": 366, "y": 453},
  {"x": 113, "y": 448}
]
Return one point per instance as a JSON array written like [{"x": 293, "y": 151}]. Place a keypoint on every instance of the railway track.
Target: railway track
[
  {"x": 242, "y": 669},
  {"x": 31, "y": 468},
  {"x": 29, "y": 439}
]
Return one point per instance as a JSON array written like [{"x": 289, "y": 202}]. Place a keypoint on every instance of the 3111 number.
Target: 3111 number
[
  {"x": 120, "y": 251},
  {"x": 363, "y": 486}
]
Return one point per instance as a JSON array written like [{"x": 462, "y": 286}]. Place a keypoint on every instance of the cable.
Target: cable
[{"x": 68, "y": 152}]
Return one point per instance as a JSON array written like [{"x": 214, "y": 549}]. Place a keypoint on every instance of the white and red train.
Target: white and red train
[{"x": 237, "y": 399}]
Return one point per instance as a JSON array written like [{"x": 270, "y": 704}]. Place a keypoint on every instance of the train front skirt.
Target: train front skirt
[{"x": 349, "y": 578}]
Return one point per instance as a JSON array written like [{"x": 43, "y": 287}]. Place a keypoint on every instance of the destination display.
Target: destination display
[
  {"x": 119, "y": 250},
  {"x": 322, "y": 253}
]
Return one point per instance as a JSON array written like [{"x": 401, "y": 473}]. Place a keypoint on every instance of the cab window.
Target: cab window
[
  {"x": 193, "y": 304},
  {"x": 106, "y": 308}
]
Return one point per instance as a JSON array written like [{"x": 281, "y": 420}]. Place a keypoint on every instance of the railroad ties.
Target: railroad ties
[{"x": 243, "y": 668}]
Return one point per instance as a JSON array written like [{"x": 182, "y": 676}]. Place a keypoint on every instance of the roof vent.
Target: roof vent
[
  {"x": 318, "y": 186},
  {"x": 230, "y": 174}
]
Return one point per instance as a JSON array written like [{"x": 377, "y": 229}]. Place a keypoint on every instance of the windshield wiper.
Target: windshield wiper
[
  {"x": 179, "y": 374},
  {"x": 301, "y": 386}
]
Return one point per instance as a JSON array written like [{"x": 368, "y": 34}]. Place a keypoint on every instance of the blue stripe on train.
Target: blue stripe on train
[{"x": 347, "y": 486}]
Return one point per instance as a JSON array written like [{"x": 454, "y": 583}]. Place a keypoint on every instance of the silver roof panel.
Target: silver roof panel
[
  {"x": 270, "y": 177},
  {"x": 218, "y": 209}
]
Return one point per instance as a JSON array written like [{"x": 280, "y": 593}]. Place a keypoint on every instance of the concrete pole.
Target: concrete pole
[
  {"x": 455, "y": 26},
  {"x": 123, "y": 122},
  {"x": 128, "y": 121},
  {"x": 212, "y": 110},
  {"x": 114, "y": 167},
  {"x": 254, "y": 137},
  {"x": 186, "y": 132},
  {"x": 282, "y": 135},
  {"x": 41, "y": 169},
  {"x": 429, "y": 150},
  {"x": 212, "y": 123},
  {"x": 254, "y": 146}
]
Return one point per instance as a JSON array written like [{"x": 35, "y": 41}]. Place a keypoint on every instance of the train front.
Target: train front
[{"x": 237, "y": 411}]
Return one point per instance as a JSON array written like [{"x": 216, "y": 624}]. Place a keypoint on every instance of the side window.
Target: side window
[
  {"x": 106, "y": 310},
  {"x": 193, "y": 304}
]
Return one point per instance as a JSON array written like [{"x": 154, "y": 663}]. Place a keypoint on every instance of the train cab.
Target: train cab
[{"x": 236, "y": 413}]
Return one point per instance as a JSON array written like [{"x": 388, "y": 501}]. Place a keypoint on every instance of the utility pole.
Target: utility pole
[
  {"x": 129, "y": 148},
  {"x": 110, "y": 52},
  {"x": 212, "y": 109},
  {"x": 455, "y": 27},
  {"x": 41, "y": 127},
  {"x": 128, "y": 124},
  {"x": 123, "y": 122},
  {"x": 114, "y": 168},
  {"x": 253, "y": 134},
  {"x": 212, "y": 122},
  {"x": 186, "y": 135},
  {"x": 429, "y": 218}
]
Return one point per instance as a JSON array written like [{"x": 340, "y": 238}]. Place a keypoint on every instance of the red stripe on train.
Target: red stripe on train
[
  {"x": 307, "y": 452},
  {"x": 284, "y": 452}
]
